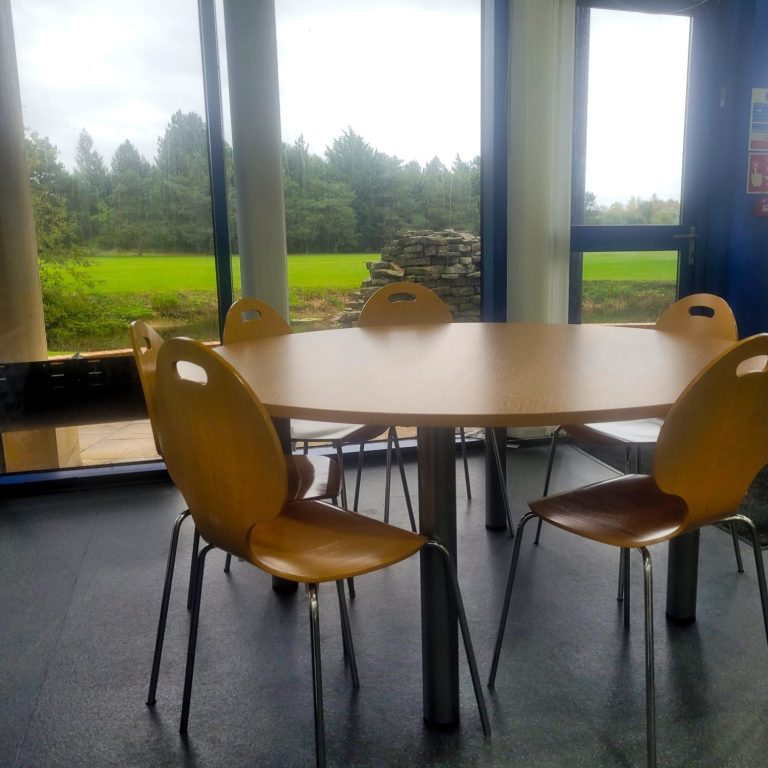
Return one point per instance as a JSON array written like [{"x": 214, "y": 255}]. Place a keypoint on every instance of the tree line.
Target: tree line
[
  {"x": 353, "y": 199},
  {"x": 635, "y": 211}
]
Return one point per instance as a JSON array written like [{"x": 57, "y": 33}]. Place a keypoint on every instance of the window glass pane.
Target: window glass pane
[
  {"x": 627, "y": 287},
  {"x": 112, "y": 100},
  {"x": 380, "y": 108},
  {"x": 638, "y": 73},
  {"x": 113, "y": 107}
]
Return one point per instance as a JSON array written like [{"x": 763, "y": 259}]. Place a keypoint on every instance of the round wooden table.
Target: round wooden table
[{"x": 438, "y": 377}]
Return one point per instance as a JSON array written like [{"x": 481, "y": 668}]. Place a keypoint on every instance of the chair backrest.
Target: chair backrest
[
  {"x": 219, "y": 444},
  {"x": 146, "y": 342},
  {"x": 701, "y": 314},
  {"x": 715, "y": 437},
  {"x": 404, "y": 304},
  {"x": 253, "y": 319}
]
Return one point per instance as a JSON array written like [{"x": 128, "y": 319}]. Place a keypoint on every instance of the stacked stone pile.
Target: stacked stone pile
[{"x": 448, "y": 262}]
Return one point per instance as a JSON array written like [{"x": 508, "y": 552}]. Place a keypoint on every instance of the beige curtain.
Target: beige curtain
[{"x": 541, "y": 57}]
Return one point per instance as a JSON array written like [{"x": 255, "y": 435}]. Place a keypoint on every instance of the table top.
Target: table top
[{"x": 472, "y": 374}]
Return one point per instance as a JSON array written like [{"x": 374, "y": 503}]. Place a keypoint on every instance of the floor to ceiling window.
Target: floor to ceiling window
[
  {"x": 629, "y": 160},
  {"x": 381, "y": 131},
  {"x": 116, "y": 142},
  {"x": 112, "y": 99},
  {"x": 380, "y": 110}
]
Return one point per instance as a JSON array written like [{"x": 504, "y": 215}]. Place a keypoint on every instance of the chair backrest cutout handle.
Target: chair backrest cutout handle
[
  {"x": 191, "y": 372},
  {"x": 398, "y": 297},
  {"x": 250, "y": 315},
  {"x": 752, "y": 365}
]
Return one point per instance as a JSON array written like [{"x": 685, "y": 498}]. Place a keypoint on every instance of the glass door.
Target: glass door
[{"x": 634, "y": 235}]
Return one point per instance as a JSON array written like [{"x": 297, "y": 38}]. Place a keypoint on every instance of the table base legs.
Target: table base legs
[
  {"x": 682, "y": 578},
  {"x": 495, "y": 515},
  {"x": 437, "y": 518}
]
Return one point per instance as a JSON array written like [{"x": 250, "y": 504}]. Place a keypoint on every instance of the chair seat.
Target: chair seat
[
  {"x": 627, "y": 511},
  {"x": 634, "y": 432},
  {"x": 312, "y": 542},
  {"x": 312, "y": 477},
  {"x": 329, "y": 432}
]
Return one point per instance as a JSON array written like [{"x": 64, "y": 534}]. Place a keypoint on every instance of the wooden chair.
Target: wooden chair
[
  {"x": 711, "y": 445},
  {"x": 250, "y": 318},
  {"x": 224, "y": 455},
  {"x": 406, "y": 303},
  {"x": 308, "y": 478},
  {"x": 702, "y": 315}
]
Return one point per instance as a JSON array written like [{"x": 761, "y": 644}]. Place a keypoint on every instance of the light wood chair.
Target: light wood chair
[
  {"x": 250, "y": 318},
  {"x": 308, "y": 478},
  {"x": 698, "y": 315},
  {"x": 712, "y": 444},
  {"x": 224, "y": 455},
  {"x": 407, "y": 303}
]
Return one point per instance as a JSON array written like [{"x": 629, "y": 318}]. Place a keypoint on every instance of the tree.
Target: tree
[
  {"x": 63, "y": 275},
  {"x": 383, "y": 187},
  {"x": 436, "y": 195},
  {"x": 129, "y": 209},
  {"x": 91, "y": 187},
  {"x": 318, "y": 209},
  {"x": 181, "y": 190}
]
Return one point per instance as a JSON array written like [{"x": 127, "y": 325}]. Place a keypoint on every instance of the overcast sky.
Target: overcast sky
[
  {"x": 637, "y": 89},
  {"x": 404, "y": 75}
]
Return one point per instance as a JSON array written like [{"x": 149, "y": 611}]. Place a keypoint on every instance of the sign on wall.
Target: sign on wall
[{"x": 757, "y": 171}]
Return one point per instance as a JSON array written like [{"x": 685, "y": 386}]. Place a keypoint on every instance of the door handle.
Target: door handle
[{"x": 691, "y": 238}]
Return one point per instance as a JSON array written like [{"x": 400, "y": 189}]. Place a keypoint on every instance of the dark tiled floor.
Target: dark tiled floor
[{"x": 80, "y": 580}]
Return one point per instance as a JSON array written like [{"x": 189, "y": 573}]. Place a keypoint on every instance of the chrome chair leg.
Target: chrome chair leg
[
  {"x": 403, "y": 478},
  {"x": 650, "y": 678},
  {"x": 388, "y": 475},
  {"x": 628, "y": 458},
  {"x": 548, "y": 475},
  {"x": 524, "y": 520},
  {"x": 193, "y": 568},
  {"x": 359, "y": 477},
  {"x": 759, "y": 566},
  {"x": 736, "y": 548},
  {"x": 159, "y": 639},
  {"x": 346, "y": 634},
  {"x": 463, "y": 441},
  {"x": 501, "y": 474},
  {"x": 317, "y": 677},
  {"x": 340, "y": 459},
  {"x": 453, "y": 580},
  {"x": 191, "y": 648}
]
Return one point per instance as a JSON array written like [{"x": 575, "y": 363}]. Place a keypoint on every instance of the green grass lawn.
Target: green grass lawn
[
  {"x": 643, "y": 266},
  {"x": 128, "y": 273},
  {"x": 176, "y": 293}
]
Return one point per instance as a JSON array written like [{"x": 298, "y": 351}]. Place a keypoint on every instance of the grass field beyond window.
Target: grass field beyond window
[
  {"x": 629, "y": 287},
  {"x": 654, "y": 266},
  {"x": 128, "y": 273},
  {"x": 177, "y": 293}
]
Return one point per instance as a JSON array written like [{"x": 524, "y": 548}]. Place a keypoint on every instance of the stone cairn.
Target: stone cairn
[{"x": 448, "y": 262}]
